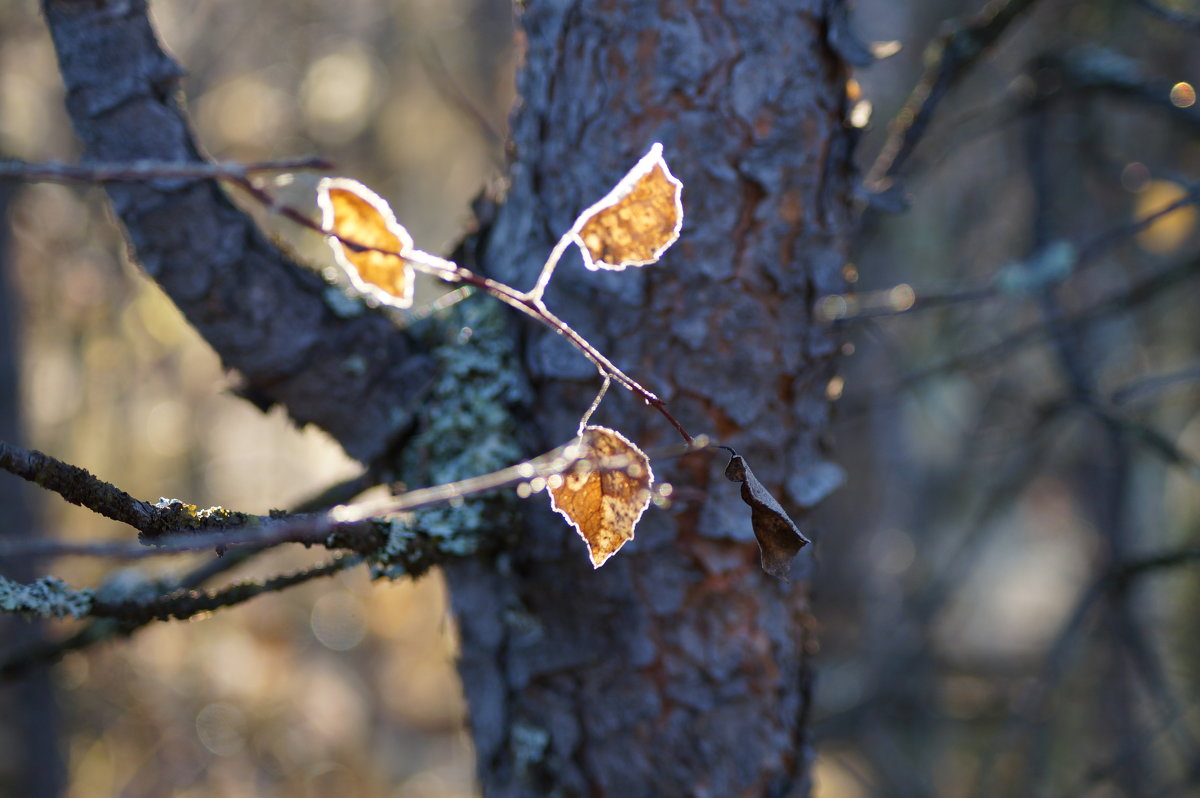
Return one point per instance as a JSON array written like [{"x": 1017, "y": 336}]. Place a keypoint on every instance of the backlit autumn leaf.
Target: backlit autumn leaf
[
  {"x": 605, "y": 492},
  {"x": 357, "y": 215},
  {"x": 635, "y": 222}
]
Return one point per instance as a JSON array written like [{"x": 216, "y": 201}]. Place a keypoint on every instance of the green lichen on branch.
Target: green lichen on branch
[
  {"x": 48, "y": 597},
  {"x": 466, "y": 429}
]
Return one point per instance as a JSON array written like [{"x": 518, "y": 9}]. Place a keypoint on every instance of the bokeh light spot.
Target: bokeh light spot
[
  {"x": 1183, "y": 95},
  {"x": 860, "y": 114},
  {"x": 338, "y": 621},
  {"x": 902, "y": 298},
  {"x": 1134, "y": 177},
  {"x": 221, "y": 728}
]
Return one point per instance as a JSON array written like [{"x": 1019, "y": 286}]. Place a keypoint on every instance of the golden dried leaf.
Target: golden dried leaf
[
  {"x": 356, "y": 214},
  {"x": 635, "y": 223},
  {"x": 605, "y": 492}
]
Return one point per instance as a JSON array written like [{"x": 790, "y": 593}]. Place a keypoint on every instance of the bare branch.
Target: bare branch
[
  {"x": 1150, "y": 386},
  {"x": 184, "y": 604},
  {"x": 143, "y": 171},
  {"x": 1138, "y": 293},
  {"x": 955, "y": 52},
  {"x": 456, "y": 96},
  {"x": 261, "y": 533},
  {"x": 1178, "y": 19},
  {"x": 529, "y": 303},
  {"x": 1130, "y": 570},
  {"x": 78, "y": 486},
  {"x": 114, "y": 618},
  {"x": 265, "y": 315}
]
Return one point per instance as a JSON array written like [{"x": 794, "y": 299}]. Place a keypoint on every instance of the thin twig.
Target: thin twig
[
  {"x": 1137, "y": 294},
  {"x": 529, "y": 303},
  {"x": 440, "y": 76},
  {"x": 142, "y": 171},
  {"x": 875, "y": 304},
  {"x": 111, "y": 619},
  {"x": 185, "y": 604},
  {"x": 526, "y": 302},
  {"x": 78, "y": 486},
  {"x": 1151, "y": 386},
  {"x": 1178, "y": 19},
  {"x": 955, "y": 52},
  {"x": 349, "y": 527},
  {"x": 308, "y": 530},
  {"x": 43, "y": 652}
]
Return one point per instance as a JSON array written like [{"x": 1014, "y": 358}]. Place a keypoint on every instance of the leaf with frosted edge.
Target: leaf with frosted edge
[
  {"x": 637, "y": 221},
  {"x": 356, "y": 214},
  {"x": 604, "y": 492}
]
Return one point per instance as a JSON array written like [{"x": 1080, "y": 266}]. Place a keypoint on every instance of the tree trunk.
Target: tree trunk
[
  {"x": 679, "y": 667},
  {"x": 30, "y": 701}
]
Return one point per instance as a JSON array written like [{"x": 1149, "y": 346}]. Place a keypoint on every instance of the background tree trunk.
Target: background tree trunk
[
  {"x": 36, "y": 763},
  {"x": 679, "y": 668}
]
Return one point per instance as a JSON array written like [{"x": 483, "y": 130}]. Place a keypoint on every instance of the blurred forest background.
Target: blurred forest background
[{"x": 1007, "y": 578}]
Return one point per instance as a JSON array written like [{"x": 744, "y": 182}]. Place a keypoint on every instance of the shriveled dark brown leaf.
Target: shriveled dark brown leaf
[
  {"x": 779, "y": 539},
  {"x": 357, "y": 214},
  {"x": 635, "y": 222},
  {"x": 605, "y": 491}
]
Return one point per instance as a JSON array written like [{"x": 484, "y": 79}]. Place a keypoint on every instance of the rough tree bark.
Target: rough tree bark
[{"x": 678, "y": 668}]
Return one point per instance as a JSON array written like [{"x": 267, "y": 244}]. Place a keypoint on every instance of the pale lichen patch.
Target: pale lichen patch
[
  {"x": 48, "y": 597},
  {"x": 466, "y": 429}
]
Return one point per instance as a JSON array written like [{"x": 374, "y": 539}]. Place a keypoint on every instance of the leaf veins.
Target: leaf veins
[
  {"x": 604, "y": 493},
  {"x": 362, "y": 224},
  {"x": 637, "y": 221}
]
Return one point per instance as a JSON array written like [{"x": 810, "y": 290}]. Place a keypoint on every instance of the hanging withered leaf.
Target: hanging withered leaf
[
  {"x": 357, "y": 215},
  {"x": 779, "y": 539},
  {"x": 605, "y": 491},
  {"x": 635, "y": 222}
]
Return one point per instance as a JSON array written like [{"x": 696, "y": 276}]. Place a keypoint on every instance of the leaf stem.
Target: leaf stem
[
  {"x": 530, "y": 303},
  {"x": 595, "y": 404},
  {"x": 556, "y": 254}
]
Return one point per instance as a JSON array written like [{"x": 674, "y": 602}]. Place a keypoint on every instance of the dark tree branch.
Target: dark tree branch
[
  {"x": 266, "y": 316},
  {"x": 454, "y": 94},
  {"x": 1110, "y": 73},
  {"x": 146, "y": 171},
  {"x": 114, "y": 618},
  {"x": 1123, "y": 574},
  {"x": 1154, "y": 385},
  {"x": 1178, "y": 19},
  {"x": 1013, "y": 279},
  {"x": 78, "y": 486},
  {"x": 953, "y": 54},
  {"x": 44, "y": 651},
  {"x": 183, "y": 604},
  {"x": 1143, "y": 433},
  {"x": 1138, "y": 293},
  {"x": 363, "y": 537}
]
